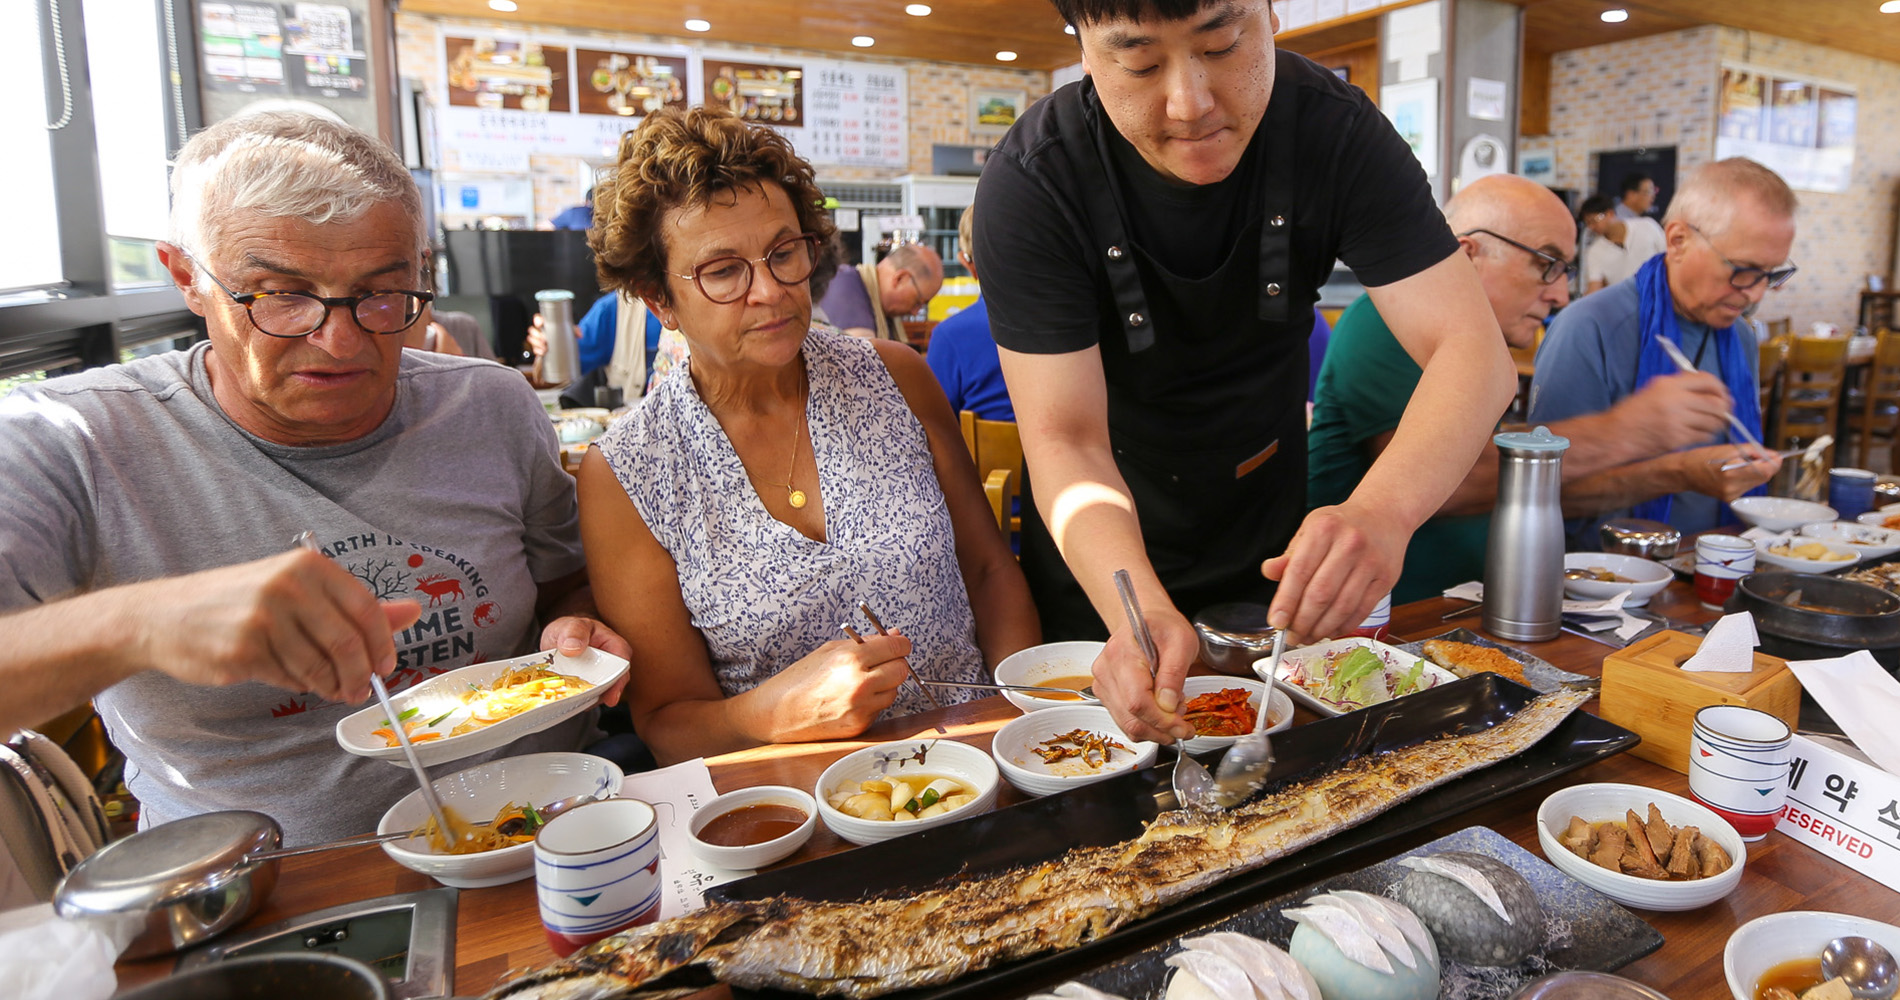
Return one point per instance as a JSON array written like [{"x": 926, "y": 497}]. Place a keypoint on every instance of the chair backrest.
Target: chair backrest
[
  {"x": 1773, "y": 353},
  {"x": 1779, "y": 327},
  {"x": 997, "y": 447},
  {"x": 1817, "y": 366}
]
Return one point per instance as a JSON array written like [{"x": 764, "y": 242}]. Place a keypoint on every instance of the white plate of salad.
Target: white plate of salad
[{"x": 1333, "y": 678}]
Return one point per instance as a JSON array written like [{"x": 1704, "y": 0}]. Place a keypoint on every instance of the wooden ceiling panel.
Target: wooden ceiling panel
[{"x": 972, "y": 31}]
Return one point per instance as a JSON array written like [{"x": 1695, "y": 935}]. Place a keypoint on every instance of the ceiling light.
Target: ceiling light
[
  {"x": 863, "y": 41},
  {"x": 1615, "y": 15},
  {"x": 505, "y": 6},
  {"x": 1006, "y": 56},
  {"x": 1068, "y": 29},
  {"x": 696, "y": 24},
  {"x": 1890, "y": 7},
  {"x": 917, "y": 9}
]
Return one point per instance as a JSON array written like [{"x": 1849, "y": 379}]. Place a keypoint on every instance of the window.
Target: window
[
  {"x": 31, "y": 258},
  {"x": 128, "y": 110}
]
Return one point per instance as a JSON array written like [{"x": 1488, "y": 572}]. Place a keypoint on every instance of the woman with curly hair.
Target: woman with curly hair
[{"x": 778, "y": 478}]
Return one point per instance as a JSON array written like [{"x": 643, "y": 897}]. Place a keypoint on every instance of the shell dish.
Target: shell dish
[{"x": 1458, "y": 894}]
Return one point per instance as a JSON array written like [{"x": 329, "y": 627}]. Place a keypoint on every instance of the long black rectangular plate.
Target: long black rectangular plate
[
  {"x": 1585, "y": 929},
  {"x": 1117, "y": 809}
]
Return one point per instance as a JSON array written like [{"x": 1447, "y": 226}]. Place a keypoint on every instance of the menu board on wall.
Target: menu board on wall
[
  {"x": 757, "y": 92},
  {"x": 628, "y": 84},
  {"x": 1801, "y": 129},
  {"x": 243, "y": 47},
  {"x": 859, "y": 115},
  {"x": 502, "y": 73},
  {"x": 321, "y": 55}
]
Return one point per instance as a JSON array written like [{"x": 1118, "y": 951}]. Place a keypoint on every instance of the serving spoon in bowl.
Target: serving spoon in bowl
[{"x": 1244, "y": 768}]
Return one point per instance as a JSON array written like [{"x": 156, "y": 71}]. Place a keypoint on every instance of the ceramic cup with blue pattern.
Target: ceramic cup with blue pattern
[
  {"x": 597, "y": 872},
  {"x": 1738, "y": 766}
]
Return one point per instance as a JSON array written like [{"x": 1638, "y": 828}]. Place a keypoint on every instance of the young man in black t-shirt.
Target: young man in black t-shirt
[{"x": 1153, "y": 240}]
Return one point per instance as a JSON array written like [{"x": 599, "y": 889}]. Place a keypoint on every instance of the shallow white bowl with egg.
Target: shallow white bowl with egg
[
  {"x": 1765, "y": 942},
  {"x": 1643, "y": 578},
  {"x": 1602, "y": 801},
  {"x": 746, "y": 857},
  {"x": 1013, "y": 743},
  {"x": 1781, "y": 513},
  {"x": 1279, "y": 708},
  {"x": 1051, "y": 661},
  {"x": 1838, "y": 556},
  {"x": 477, "y": 794},
  {"x": 1871, "y": 541},
  {"x": 913, "y": 761}
]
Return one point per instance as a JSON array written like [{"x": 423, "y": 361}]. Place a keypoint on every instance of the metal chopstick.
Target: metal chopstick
[
  {"x": 1682, "y": 361},
  {"x": 921, "y": 686}
]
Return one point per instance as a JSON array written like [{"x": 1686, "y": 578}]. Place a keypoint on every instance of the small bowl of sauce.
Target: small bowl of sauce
[{"x": 753, "y": 827}]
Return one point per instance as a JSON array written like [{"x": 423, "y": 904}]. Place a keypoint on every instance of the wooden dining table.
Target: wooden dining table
[{"x": 499, "y": 928}]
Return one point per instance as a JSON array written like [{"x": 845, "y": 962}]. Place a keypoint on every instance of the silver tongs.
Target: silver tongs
[{"x": 1193, "y": 786}]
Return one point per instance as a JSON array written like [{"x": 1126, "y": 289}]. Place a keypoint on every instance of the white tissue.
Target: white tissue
[
  {"x": 1729, "y": 647},
  {"x": 1861, "y": 697},
  {"x": 45, "y": 958}
]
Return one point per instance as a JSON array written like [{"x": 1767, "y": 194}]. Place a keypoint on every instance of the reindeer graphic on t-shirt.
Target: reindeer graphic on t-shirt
[{"x": 439, "y": 586}]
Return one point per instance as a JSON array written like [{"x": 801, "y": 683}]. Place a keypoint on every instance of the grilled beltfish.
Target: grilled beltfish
[{"x": 866, "y": 949}]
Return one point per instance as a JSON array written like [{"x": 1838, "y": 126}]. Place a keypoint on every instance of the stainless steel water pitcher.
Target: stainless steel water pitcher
[
  {"x": 562, "y": 365},
  {"x": 1524, "y": 562}
]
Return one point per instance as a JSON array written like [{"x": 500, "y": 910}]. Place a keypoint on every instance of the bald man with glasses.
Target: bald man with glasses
[{"x": 1727, "y": 238}]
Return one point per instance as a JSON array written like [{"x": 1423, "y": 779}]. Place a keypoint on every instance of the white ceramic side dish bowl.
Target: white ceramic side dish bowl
[
  {"x": 1608, "y": 801},
  {"x": 1781, "y": 513},
  {"x": 1279, "y": 708},
  {"x": 1767, "y": 558},
  {"x": 1646, "y": 577},
  {"x": 479, "y": 792},
  {"x": 1765, "y": 942},
  {"x": 752, "y": 856},
  {"x": 1042, "y": 664},
  {"x": 1870, "y": 540},
  {"x": 942, "y": 758},
  {"x": 1012, "y": 745}
]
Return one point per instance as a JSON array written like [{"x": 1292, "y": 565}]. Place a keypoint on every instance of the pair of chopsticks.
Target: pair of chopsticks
[
  {"x": 1682, "y": 361},
  {"x": 859, "y": 639}
]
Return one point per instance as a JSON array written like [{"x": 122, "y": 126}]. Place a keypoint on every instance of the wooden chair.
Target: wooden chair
[
  {"x": 1811, "y": 386},
  {"x": 1779, "y": 328},
  {"x": 997, "y": 449},
  {"x": 1877, "y": 410},
  {"x": 1773, "y": 354}
]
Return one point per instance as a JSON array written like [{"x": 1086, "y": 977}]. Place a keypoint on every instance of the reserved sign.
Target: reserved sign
[{"x": 1845, "y": 807}]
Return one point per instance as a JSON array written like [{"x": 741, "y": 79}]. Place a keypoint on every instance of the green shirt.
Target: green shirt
[{"x": 1364, "y": 385}]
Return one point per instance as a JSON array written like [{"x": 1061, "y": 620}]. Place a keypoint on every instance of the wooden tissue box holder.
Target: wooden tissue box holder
[{"x": 1646, "y": 691}]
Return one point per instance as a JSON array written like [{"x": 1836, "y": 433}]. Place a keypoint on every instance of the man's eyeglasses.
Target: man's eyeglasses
[
  {"x": 1749, "y": 277},
  {"x": 728, "y": 279},
  {"x": 299, "y": 314},
  {"x": 1554, "y": 266}
]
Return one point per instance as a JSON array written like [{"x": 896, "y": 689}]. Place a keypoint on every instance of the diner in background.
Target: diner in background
[
  {"x": 1728, "y": 231},
  {"x": 1154, "y": 238},
  {"x": 1621, "y": 246},
  {"x": 1520, "y": 239},
  {"x": 150, "y": 505},
  {"x": 780, "y": 476},
  {"x": 871, "y": 300},
  {"x": 962, "y": 353}
]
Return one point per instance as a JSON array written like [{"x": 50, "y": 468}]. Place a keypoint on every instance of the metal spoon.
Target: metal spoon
[
  {"x": 1193, "y": 786},
  {"x": 551, "y": 810},
  {"x": 1243, "y": 769},
  {"x": 1866, "y": 967},
  {"x": 1575, "y": 573},
  {"x": 1087, "y": 692}
]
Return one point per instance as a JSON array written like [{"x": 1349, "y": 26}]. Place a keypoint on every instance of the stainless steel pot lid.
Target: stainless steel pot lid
[
  {"x": 166, "y": 862},
  {"x": 1240, "y": 623}
]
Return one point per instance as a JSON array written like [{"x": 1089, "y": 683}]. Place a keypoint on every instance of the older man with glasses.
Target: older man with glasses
[
  {"x": 145, "y": 546},
  {"x": 1520, "y": 239},
  {"x": 1728, "y": 233}
]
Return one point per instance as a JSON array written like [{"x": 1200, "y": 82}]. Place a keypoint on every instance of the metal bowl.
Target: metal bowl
[
  {"x": 1634, "y": 536},
  {"x": 1575, "y": 985},
  {"x": 1233, "y": 636},
  {"x": 306, "y": 976},
  {"x": 187, "y": 881},
  {"x": 1862, "y": 616}
]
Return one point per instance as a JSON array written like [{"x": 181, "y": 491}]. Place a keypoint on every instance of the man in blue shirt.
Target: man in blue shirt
[
  {"x": 1728, "y": 233},
  {"x": 576, "y": 216},
  {"x": 962, "y": 353}
]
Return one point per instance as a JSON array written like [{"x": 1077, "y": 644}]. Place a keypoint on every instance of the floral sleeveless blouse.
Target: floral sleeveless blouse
[{"x": 762, "y": 593}]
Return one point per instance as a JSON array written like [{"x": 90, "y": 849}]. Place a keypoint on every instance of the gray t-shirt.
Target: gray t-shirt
[{"x": 132, "y": 472}]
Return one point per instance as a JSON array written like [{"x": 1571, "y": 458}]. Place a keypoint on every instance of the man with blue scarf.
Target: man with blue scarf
[{"x": 1728, "y": 233}]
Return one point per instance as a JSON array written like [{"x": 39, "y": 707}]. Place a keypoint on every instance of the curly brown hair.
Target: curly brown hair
[{"x": 685, "y": 159}]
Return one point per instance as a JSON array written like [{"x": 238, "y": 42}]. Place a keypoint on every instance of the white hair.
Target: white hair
[
  {"x": 287, "y": 164},
  {"x": 1709, "y": 198}
]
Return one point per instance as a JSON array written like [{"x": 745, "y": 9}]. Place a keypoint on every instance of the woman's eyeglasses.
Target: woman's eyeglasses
[
  {"x": 728, "y": 279},
  {"x": 1554, "y": 266}
]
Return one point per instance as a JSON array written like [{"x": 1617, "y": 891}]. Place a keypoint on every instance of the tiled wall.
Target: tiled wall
[
  {"x": 1661, "y": 91},
  {"x": 939, "y": 95}
]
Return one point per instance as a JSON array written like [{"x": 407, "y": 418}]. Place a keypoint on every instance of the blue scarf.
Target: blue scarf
[{"x": 1656, "y": 318}]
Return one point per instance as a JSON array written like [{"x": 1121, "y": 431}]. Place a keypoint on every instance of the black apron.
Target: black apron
[{"x": 1207, "y": 423}]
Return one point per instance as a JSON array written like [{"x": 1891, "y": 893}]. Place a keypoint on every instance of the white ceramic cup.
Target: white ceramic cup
[
  {"x": 597, "y": 872},
  {"x": 1738, "y": 766},
  {"x": 1720, "y": 560}
]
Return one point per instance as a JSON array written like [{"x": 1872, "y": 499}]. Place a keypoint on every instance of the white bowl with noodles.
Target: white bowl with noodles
[
  {"x": 1601, "y": 801},
  {"x": 1870, "y": 540},
  {"x": 479, "y": 792},
  {"x": 1065, "y": 662},
  {"x": 1767, "y": 941},
  {"x": 1013, "y": 748},
  {"x": 440, "y": 704},
  {"x": 1279, "y": 707},
  {"x": 915, "y": 761}
]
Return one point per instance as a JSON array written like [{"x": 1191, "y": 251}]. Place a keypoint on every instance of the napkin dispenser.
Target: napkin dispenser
[{"x": 1646, "y": 691}]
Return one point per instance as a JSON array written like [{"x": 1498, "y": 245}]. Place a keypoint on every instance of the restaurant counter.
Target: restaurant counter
[{"x": 499, "y": 928}]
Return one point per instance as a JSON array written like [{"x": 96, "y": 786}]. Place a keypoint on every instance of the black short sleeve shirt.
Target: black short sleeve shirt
[{"x": 1359, "y": 196}]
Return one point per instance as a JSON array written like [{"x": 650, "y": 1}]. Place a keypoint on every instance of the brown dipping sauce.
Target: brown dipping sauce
[
  {"x": 754, "y": 824},
  {"x": 1076, "y": 681},
  {"x": 1796, "y": 976}
]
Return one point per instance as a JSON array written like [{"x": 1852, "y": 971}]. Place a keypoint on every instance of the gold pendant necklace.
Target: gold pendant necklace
[{"x": 793, "y": 495}]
